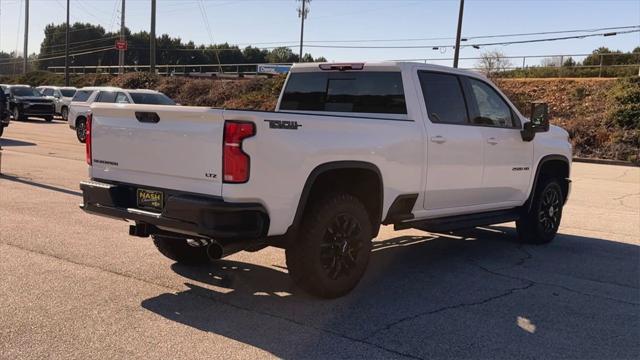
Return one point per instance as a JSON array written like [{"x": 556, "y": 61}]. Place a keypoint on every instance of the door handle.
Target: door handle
[
  {"x": 492, "y": 141},
  {"x": 438, "y": 139},
  {"x": 147, "y": 117}
]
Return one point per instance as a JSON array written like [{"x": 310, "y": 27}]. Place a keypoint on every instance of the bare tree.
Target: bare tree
[
  {"x": 553, "y": 61},
  {"x": 492, "y": 62}
]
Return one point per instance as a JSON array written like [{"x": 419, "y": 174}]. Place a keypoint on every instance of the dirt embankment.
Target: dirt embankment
[
  {"x": 598, "y": 113},
  {"x": 601, "y": 115}
]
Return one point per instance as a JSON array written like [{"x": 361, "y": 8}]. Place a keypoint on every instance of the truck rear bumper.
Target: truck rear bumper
[{"x": 182, "y": 213}]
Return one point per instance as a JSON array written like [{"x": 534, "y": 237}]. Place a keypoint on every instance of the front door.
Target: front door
[{"x": 507, "y": 158}]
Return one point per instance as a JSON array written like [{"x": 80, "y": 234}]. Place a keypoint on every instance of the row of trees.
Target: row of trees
[
  {"x": 495, "y": 62},
  {"x": 88, "y": 40}
]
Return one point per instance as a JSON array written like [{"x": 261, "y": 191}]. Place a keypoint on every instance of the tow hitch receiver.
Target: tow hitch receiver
[{"x": 139, "y": 229}]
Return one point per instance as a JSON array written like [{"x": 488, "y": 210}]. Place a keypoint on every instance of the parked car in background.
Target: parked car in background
[
  {"x": 24, "y": 101},
  {"x": 86, "y": 96},
  {"x": 79, "y": 107},
  {"x": 61, "y": 97},
  {"x": 4, "y": 114}
]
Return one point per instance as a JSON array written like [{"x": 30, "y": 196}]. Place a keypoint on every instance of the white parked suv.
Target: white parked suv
[
  {"x": 349, "y": 147},
  {"x": 111, "y": 95},
  {"x": 61, "y": 96}
]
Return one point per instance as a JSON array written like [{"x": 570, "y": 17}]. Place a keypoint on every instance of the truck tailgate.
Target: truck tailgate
[{"x": 181, "y": 151}]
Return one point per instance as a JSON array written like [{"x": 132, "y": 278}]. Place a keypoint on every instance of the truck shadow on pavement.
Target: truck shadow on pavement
[
  {"x": 476, "y": 293},
  {"x": 11, "y": 142}
]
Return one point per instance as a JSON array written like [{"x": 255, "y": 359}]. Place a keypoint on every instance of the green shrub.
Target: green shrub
[{"x": 625, "y": 99}]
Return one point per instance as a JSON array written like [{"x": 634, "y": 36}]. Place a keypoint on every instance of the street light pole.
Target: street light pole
[
  {"x": 152, "y": 39},
  {"x": 25, "y": 55},
  {"x": 302, "y": 12},
  {"x": 122, "y": 38},
  {"x": 66, "y": 50},
  {"x": 456, "y": 53}
]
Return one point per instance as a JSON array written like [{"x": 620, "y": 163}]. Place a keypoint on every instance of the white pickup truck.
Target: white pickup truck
[{"x": 349, "y": 147}]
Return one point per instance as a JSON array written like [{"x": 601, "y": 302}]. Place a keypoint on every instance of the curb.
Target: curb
[{"x": 605, "y": 162}]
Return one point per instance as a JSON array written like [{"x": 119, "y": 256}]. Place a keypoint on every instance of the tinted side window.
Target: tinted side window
[
  {"x": 443, "y": 97},
  {"x": 106, "y": 97},
  {"x": 305, "y": 91},
  {"x": 490, "y": 107},
  {"x": 47, "y": 92},
  {"x": 122, "y": 98},
  {"x": 82, "y": 95},
  {"x": 357, "y": 92}
]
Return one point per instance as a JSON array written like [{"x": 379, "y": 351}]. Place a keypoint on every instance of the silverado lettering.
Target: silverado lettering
[{"x": 283, "y": 124}]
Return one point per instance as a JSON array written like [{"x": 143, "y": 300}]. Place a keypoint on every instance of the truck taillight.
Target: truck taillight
[
  {"x": 87, "y": 141},
  {"x": 236, "y": 163}
]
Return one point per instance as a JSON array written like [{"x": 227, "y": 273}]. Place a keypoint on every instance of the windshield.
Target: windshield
[
  {"x": 68, "y": 92},
  {"x": 82, "y": 95},
  {"x": 151, "y": 99},
  {"x": 25, "y": 91}
]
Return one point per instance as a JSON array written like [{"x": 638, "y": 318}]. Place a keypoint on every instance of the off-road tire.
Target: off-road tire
[
  {"x": 64, "y": 112},
  {"x": 179, "y": 250},
  {"x": 81, "y": 130},
  {"x": 332, "y": 251},
  {"x": 540, "y": 224}
]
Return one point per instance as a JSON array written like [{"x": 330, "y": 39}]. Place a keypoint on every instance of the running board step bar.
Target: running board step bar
[{"x": 460, "y": 222}]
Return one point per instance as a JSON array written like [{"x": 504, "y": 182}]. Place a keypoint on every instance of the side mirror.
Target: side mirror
[{"x": 539, "y": 121}]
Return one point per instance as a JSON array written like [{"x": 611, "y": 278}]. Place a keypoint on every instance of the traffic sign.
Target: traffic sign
[{"x": 121, "y": 45}]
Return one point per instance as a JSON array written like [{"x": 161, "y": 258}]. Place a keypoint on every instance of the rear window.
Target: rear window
[
  {"x": 357, "y": 92},
  {"x": 68, "y": 92},
  {"x": 82, "y": 95},
  {"x": 151, "y": 99}
]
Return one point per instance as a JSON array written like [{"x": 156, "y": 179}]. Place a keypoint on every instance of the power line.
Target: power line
[
  {"x": 81, "y": 42},
  {"x": 205, "y": 18},
  {"x": 435, "y": 47},
  {"x": 465, "y": 38},
  {"x": 62, "y": 56},
  {"x": 89, "y": 49}
]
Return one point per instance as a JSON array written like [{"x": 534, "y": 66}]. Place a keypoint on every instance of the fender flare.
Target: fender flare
[
  {"x": 527, "y": 205},
  {"x": 322, "y": 168}
]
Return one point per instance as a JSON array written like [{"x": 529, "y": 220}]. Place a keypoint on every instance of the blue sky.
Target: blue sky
[{"x": 258, "y": 21}]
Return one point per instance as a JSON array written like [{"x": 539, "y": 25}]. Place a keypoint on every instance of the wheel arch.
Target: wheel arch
[
  {"x": 557, "y": 165},
  {"x": 323, "y": 174},
  {"x": 78, "y": 118}
]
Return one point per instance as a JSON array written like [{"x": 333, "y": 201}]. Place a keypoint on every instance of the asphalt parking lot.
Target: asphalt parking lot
[{"x": 77, "y": 286}]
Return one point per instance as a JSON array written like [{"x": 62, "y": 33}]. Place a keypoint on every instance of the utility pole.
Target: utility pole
[
  {"x": 66, "y": 50},
  {"x": 456, "y": 54},
  {"x": 152, "y": 39},
  {"x": 25, "y": 54},
  {"x": 303, "y": 11},
  {"x": 122, "y": 38}
]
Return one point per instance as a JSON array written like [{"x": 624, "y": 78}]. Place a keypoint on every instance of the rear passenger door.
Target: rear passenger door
[
  {"x": 507, "y": 158},
  {"x": 454, "y": 148}
]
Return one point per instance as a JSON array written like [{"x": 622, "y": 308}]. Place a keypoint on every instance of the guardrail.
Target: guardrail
[
  {"x": 186, "y": 69},
  {"x": 517, "y": 62}
]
